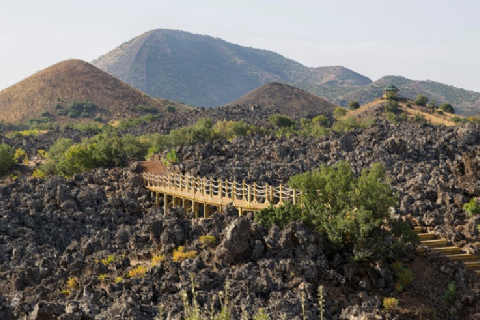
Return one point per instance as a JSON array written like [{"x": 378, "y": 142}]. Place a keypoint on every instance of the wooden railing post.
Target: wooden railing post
[
  {"x": 280, "y": 195},
  {"x": 243, "y": 190},
  {"x": 249, "y": 196},
  {"x": 255, "y": 192}
]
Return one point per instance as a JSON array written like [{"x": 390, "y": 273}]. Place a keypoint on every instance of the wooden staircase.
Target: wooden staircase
[{"x": 472, "y": 261}]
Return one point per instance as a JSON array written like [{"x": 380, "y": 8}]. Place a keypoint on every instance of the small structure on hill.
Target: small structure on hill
[{"x": 390, "y": 92}]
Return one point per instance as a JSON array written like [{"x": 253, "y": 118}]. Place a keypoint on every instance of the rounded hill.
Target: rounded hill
[
  {"x": 52, "y": 91},
  {"x": 287, "y": 100}
]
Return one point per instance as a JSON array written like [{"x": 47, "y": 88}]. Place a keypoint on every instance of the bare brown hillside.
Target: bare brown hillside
[
  {"x": 286, "y": 99},
  {"x": 75, "y": 80}
]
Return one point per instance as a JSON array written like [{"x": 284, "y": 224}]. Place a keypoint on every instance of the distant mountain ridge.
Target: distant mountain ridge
[
  {"x": 202, "y": 70},
  {"x": 75, "y": 80},
  {"x": 465, "y": 102},
  {"x": 205, "y": 71}
]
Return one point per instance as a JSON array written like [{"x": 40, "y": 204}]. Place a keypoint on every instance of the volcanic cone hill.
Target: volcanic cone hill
[
  {"x": 55, "y": 88},
  {"x": 205, "y": 71},
  {"x": 287, "y": 100}
]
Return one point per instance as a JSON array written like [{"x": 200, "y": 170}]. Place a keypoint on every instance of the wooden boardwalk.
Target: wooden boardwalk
[{"x": 192, "y": 193}]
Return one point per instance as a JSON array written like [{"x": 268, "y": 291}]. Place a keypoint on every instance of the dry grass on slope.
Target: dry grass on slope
[
  {"x": 376, "y": 109},
  {"x": 74, "y": 80}
]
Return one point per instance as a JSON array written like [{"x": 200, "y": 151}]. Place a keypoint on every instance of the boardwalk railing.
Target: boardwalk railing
[{"x": 218, "y": 192}]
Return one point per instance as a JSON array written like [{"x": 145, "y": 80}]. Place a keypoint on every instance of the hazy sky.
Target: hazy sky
[{"x": 419, "y": 39}]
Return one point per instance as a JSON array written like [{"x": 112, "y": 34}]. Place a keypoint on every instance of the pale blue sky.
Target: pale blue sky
[{"x": 419, "y": 39}]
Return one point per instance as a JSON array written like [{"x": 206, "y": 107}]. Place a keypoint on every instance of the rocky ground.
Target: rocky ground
[
  {"x": 67, "y": 245},
  {"x": 97, "y": 226}
]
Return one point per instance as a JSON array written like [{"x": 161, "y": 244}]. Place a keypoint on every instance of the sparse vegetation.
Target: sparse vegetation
[
  {"x": 109, "y": 260},
  {"x": 180, "y": 254},
  {"x": 157, "y": 259},
  {"x": 451, "y": 292},
  {"x": 138, "y": 272},
  {"x": 472, "y": 207},
  {"x": 390, "y": 303},
  {"x": 404, "y": 276},
  {"x": 207, "y": 240}
]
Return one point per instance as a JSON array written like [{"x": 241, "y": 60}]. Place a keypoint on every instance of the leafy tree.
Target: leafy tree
[
  {"x": 447, "y": 107},
  {"x": 7, "y": 158},
  {"x": 421, "y": 100},
  {"x": 339, "y": 112},
  {"x": 279, "y": 120},
  {"x": 353, "y": 105}
]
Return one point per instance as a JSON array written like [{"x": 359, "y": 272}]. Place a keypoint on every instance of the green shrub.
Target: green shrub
[
  {"x": 147, "y": 109},
  {"x": 451, "y": 292},
  {"x": 421, "y": 100},
  {"x": 390, "y": 303},
  {"x": 403, "y": 275},
  {"x": 321, "y": 120},
  {"x": 392, "y": 117},
  {"x": 419, "y": 118},
  {"x": 391, "y": 106},
  {"x": 77, "y": 109},
  {"x": 353, "y": 105},
  {"x": 352, "y": 212},
  {"x": 171, "y": 109},
  {"x": 282, "y": 215},
  {"x": 229, "y": 129},
  {"x": 350, "y": 123},
  {"x": 170, "y": 158},
  {"x": 279, "y": 121},
  {"x": 447, "y": 107},
  {"x": 7, "y": 158},
  {"x": 472, "y": 207},
  {"x": 91, "y": 128},
  {"x": 339, "y": 112}
]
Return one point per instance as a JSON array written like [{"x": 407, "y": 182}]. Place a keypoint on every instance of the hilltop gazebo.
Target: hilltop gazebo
[{"x": 390, "y": 91}]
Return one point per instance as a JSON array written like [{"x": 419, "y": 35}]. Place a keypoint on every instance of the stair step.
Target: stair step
[
  {"x": 434, "y": 243},
  {"x": 472, "y": 264},
  {"x": 418, "y": 229},
  {"x": 447, "y": 250},
  {"x": 463, "y": 257},
  {"x": 426, "y": 236}
]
